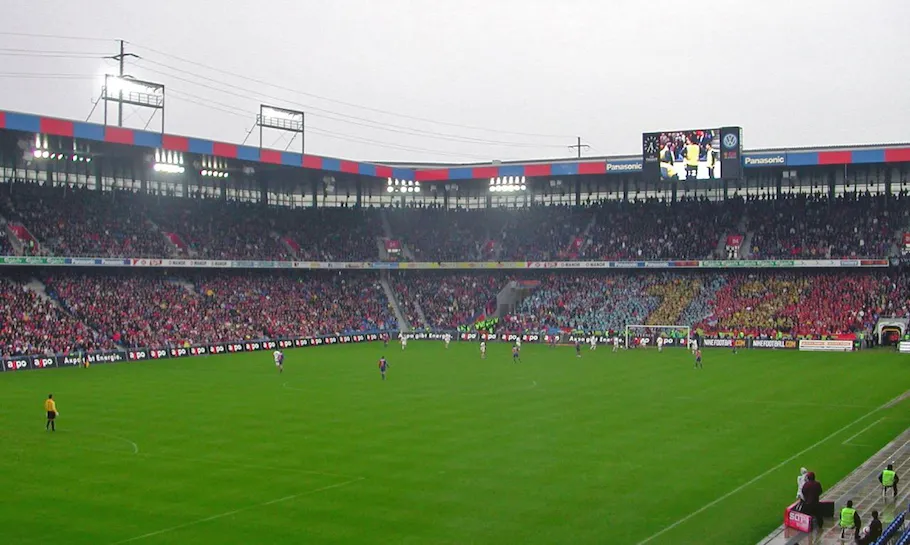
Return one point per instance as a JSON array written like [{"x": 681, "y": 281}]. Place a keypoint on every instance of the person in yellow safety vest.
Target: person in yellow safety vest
[
  {"x": 849, "y": 520},
  {"x": 889, "y": 479},
  {"x": 691, "y": 155}
]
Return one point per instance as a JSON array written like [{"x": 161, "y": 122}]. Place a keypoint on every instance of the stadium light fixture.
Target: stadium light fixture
[
  {"x": 281, "y": 119},
  {"x": 508, "y": 184},
  {"x": 213, "y": 167},
  {"x": 127, "y": 90},
  {"x": 168, "y": 162},
  {"x": 394, "y": 185}
]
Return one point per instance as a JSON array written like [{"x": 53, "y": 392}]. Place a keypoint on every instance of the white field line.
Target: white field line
[
  {"x": 757, "y": 478},
  {"x": 228, "y": 463},
  {"x": 109, "y": 436},
  {"x": 236, "y": 511},
  {"x": 860, "y": 432}
]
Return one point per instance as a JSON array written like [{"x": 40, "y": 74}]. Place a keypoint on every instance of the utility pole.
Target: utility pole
[
  {"x": 579, "y": 146},
  {"x": 120, "y": 58}
]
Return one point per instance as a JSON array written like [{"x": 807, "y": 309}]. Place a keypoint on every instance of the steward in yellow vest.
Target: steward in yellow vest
[
  {"x": 849, "y": 519},
  {"x": 889, "y": 479}
]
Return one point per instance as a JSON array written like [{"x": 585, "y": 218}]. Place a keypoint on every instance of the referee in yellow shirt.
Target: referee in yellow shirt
[{"x": 51, "y": 407}]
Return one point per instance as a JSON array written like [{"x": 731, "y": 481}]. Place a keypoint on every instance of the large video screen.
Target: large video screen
[{"x": 689, "y": 155}]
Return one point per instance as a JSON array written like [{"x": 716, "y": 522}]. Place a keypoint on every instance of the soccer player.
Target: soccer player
[
  {"x": 516, "y": 357},
  {"x": 404, "y": 342},
  {"x": 483, "y": 350},
  {"x": 698, "y": 364},
  {"x": 279, "y": 360},
  {"x": 593, "y": 342},
  {"x": 518, "y": 342},
  {"x": 577, "y": 348},
  {"x": 385, "y": 340},
  {"x": 447, "y": 339},
  {"x": 51, "y": 407},
  {"x": 660, "y": 344},
  {"x": 693, "y": 345},
  {"x": 616, "y": 343},
  {"x": 383, "y": 366}
]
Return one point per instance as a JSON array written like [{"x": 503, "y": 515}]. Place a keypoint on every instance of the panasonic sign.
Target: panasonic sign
[
  {"x": 624, "y": 167},
  {"x": 765, "y": 160}
]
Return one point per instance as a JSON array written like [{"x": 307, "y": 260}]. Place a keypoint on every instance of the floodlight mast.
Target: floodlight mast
[
  {"x": 128, "y": 90},
  {"x": 281, "y": 119}
]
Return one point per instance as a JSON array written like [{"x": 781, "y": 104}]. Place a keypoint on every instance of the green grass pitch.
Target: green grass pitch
[{"x": 451, "y": 449}]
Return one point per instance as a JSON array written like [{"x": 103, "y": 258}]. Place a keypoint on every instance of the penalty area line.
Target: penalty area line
[
  {"x": 240, "y": 510},
  {"x": 759, "y": 477}
]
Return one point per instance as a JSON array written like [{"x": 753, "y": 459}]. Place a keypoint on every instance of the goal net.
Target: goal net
[{"x": 647, "y": 335}]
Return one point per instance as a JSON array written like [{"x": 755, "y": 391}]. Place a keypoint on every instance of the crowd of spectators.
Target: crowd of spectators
[
  {"x": 688, "y": 229},
  {"x": 448, "y": 300},
  {"x": 294, "y": 304},
  {"x": 137, "y": 309},
  {"x": 805, "y": 304},
  {"x": 585, "y": 301},
  {"x": 33, "y": 325},
  {"x": 812, "y": 227},
  {"x": 97, "y": 310},
  {"x": 544, "y": 233},
  {"x": 79, "y": 222},
  {"x": 439, "y": 234},
  {"x": 333, "y": 234},
  {"x": 214, "y": 229}
]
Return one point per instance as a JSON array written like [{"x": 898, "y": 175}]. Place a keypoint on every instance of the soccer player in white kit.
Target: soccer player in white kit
[
  {"x": 447, "y": 338},
  {"x": 616, "y": 343},
  {"x": 404, "y": 342},
  {"x": 593, "y": 342},
  {"x": 518, "y": 343},
  {"x": 660, "y": 344},
  {"x": 693, "y": 345},
  {"x": 483, "y": 350},
  {"x": 279, "y": 360}
]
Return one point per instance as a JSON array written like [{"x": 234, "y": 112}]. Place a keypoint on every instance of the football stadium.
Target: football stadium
[{"x": 225, "y": 341}]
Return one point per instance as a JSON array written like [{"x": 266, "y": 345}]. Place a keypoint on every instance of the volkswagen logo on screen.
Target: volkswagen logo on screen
[{"x": 730, "y": 140}]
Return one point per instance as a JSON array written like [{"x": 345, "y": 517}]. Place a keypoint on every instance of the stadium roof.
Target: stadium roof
[{"x": 839, "y": 155}]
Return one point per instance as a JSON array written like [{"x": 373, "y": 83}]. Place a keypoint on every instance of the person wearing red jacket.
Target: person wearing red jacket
[{"x": 812, "y": 494}]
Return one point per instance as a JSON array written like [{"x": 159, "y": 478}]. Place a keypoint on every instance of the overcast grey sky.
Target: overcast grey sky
[{"x": 791, "y": 73}]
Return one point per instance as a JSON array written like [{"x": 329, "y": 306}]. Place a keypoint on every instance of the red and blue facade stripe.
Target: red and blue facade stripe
[{"x": 131, "y": 137}]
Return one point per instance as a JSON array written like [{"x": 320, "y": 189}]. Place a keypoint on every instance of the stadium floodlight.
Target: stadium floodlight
[
  {"x": 281, "y": 119},
  {"x": 168, "y": 162},
  {"x": 169, "y": 169},
  {"x": 212, "y": 167},
  {"x": 508, "y": 184},
  {"x": 127, "y": 90},
  {"x": 402, "y": 186}
]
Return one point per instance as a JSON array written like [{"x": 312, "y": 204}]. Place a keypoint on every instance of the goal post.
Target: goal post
[{"x": 678, "y": 333}]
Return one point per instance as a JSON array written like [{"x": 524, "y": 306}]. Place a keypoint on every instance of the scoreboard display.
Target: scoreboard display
[{"x": 694, "y": 154}]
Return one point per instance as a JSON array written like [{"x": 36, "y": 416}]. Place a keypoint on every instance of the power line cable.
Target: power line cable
[
  {"x": 54, "y": 36},
  {"x": 345, "y": 103},
  {"x": 339, "y": 117},
  {"x": 186, "y": 97}
]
